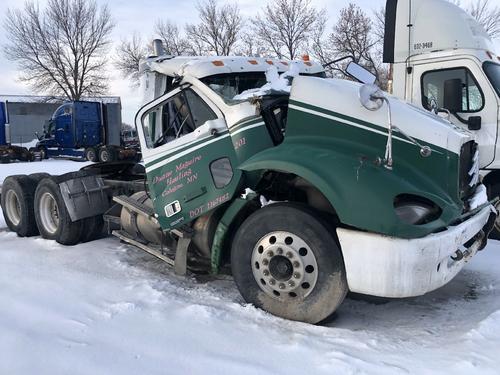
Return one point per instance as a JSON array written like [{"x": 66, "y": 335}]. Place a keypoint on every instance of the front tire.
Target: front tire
[{"x": 286, "y": 261}]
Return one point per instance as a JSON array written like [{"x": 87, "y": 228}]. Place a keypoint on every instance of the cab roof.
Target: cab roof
[{"x": 204, "y": 66}]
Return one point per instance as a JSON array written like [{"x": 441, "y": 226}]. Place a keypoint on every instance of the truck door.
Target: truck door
[
  {"x": 63, "y": 130},
  {"x": 189, "y": 156},
  {"x": 478, "y": 98}
]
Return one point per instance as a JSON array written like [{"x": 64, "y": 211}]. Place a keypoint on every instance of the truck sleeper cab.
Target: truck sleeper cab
[
  {"x": 84, "y": 129},
  {"x": 445, "y": 62},
  {"x": 280, "y": 186}
]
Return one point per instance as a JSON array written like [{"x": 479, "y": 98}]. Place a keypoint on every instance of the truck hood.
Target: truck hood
[{"x": 340, "y": 98}]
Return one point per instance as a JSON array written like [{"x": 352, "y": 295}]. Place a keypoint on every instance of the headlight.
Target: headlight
[{"x": 416, "y": 210}]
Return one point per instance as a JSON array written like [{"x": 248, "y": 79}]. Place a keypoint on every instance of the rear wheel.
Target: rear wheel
[
  {"x": 106, "y": 154},
  {"x": 52, "y": 218},
  {"x": 43, "y": 152},
  {"x": 17, "y": 205},
  {"x": 91, "y": 154},
  {"x": 285, "y": 260},
  {"x": 93, "y": 227}
]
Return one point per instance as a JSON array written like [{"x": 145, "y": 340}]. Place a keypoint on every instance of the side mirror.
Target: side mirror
[
  {"x": 474, "y": 123},
  {"x": 361, "y": 74},
  {"x": 452, "y": 100}
]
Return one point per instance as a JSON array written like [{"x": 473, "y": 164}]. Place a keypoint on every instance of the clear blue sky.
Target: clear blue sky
[{"x": 132, "y": 15}]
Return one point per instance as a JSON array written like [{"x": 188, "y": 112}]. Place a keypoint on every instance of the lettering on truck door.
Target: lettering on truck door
[{"x": 189, "y": 156}]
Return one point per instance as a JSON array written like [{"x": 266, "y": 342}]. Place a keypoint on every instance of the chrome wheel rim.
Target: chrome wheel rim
[
  {"x": 49, "y": 213},
  {"x": 13, "y": 207},
  {"x": 104, "y": 156},
  {"x": 284, "y": 266}
]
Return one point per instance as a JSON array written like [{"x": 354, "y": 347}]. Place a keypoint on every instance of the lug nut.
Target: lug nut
[
  {"x": 265, "y": 262},
  {"x": 272, "y": 282},
  {"x": 279, "y": 251},
  {"x": 270, "y": 254},
  {"x": 282, "y": 286},
  {"x": 296, "y": 264},
  {"x": 291, "y": 284},
  {"x": 265, "y": 272},
  {"x": 296, "y": 275},
  {"x": 289, "y": 254}
]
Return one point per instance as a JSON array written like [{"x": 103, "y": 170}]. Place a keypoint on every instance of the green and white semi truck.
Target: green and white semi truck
[
  {"x": 444, "y": 61},
  {"x": 301, "y": 195}
]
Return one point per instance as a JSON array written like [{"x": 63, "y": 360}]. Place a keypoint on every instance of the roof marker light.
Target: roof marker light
[
  {"x": 253, "y": 62},
  {"x": 305, "y": 57},
  {"x": 284, "y": 63},
  {"x": 218, "y": 63},
  {"x": 269, "y": 62}
]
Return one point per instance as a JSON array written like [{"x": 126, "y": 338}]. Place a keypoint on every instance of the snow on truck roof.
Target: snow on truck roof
[{"x": 202, "y": 66}]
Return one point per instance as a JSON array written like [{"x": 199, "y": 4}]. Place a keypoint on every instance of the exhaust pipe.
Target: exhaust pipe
[
  {"x": 158, "y": 49},
  {"x": 7, "y": 124}
]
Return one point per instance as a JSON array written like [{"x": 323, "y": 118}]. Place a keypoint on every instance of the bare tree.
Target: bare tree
[
  {"x": 173, "y": 41},
  {"x": 129, "y": 54},
  {"x": 218, "y": 29},
  {"x": 352, "y": 35},
  {"x": 286, "y": 26},
  {"x": 485, "y": 13},
  {"x": 62, "y": 49}
]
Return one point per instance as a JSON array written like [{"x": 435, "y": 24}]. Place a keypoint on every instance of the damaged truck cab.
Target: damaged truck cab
[{"x": 306, "y": 187}]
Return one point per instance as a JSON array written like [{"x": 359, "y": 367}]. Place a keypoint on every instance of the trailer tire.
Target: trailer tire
[
  {"x": 285, "y": 260},
  {"x": 17, "y": 205},
  {"x": 91, "y": 155},
  {"x": 52, "y": 218},
  {"x": 107, "y": 154}
]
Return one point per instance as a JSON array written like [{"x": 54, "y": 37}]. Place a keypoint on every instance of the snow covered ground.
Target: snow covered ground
[{"x": 108, "y": 308}]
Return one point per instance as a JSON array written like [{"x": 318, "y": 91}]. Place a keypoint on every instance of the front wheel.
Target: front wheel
[{"x": 285, "y": 260}]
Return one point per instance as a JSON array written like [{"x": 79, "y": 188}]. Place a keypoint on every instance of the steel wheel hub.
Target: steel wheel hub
[
  {"x": 284, "y": 266},
  {"x": 13, "y": 207},
  {"x": 49, "y": 213}
]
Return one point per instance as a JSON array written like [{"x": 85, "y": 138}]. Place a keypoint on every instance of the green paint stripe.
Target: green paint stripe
[
  {"x": 170, "y": 154},
  {"x": 364, "y": 123},
  {"x": 336, "y": 114},
  {"x": 240, "y": 124}
]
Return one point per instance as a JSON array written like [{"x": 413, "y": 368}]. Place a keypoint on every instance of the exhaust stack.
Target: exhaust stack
[{"x": 158, "y": 49}]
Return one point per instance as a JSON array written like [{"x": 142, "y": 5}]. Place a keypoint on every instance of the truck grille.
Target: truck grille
[{"x": 469, "y": 169}]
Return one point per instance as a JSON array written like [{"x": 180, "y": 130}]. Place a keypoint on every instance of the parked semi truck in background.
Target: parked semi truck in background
[
  {"x": 83, "y": 129},
  {"x": 8, "y": 151},
  {"x": 443, "y": 60},
  {"x": 277, "y": 186}
]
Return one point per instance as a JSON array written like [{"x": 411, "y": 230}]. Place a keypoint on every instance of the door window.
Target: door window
[
  {"x": 179, "y": 115},
  {"x": 433, "y": 84}
]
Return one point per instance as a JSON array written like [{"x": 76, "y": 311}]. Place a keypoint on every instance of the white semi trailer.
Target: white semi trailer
[{"x": 443, "y": 60}]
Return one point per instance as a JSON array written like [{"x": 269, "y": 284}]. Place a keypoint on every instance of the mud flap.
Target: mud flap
[{"x": 85, "y": 197}]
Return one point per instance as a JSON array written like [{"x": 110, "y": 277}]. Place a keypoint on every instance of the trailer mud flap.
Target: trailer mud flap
[{"x": 85, "y": 197}]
